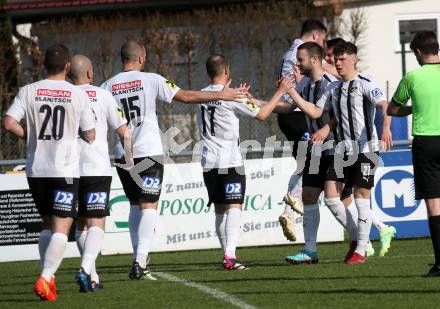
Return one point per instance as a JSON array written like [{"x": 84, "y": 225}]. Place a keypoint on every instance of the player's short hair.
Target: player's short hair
[
  {"x": 130, "y": 51},
  {"x": 313, "y": 49},
  {"x": 333, "y": 42},
  {"x": 426, "y": 42},
  {"x": 215, "y": 65},
  {"x": 311, "y": 25},
  {"x": 345, "y": 48},
  {"x": 56, "y": 58}
]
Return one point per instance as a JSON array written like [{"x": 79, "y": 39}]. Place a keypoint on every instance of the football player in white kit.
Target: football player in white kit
[
  {"x": 137, "y": 92},
  {"x": 95, "y": 172},
  {"x": 55, "y": 112},
  {"x": 223, "y": 170}
]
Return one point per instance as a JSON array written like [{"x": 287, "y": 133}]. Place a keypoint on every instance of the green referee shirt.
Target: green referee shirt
[{"x": 422, "y": 86}]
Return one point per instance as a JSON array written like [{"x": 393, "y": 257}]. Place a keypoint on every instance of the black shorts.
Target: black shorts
[
  {"x": 150, "y": 183},
  {"x": 93, "y": 196},
  {"x": 294, "y": 127},
  {"x": 426, "y": 161},
  {"x": 314, "y": 176},
  {"x": 359, "y": 174},
  {"x": 225, "y": 186},
  {"x": 55, "y": 196}
]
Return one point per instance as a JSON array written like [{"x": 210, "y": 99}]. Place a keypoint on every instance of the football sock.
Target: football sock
[
  {"x": 54, "y": 255},
  {"x": 377, "y": 224},
  {"x": 133, "y": 225},
  {"x": 338, "y": 210},
  {"x": 310, "y": 225},
  {"x": 434, "y": 228},
  {"x": 220, "y": 228},
  {"x": 364, "y": 224},
  {"x": 233, "y": 222},
  {"x": 92, "y": 248},
  {"x": 147, "y": 226},
  {"x": 352, "y": 217},
  {"x": 43, "y": 243},
  {"x": 295, "y": 186}
]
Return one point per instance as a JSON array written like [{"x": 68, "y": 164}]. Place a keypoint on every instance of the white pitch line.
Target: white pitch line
[{"x": 203, "y": 288}]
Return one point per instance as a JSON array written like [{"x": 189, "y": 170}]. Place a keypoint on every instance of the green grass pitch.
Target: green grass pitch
[{"x": 394, "y": 281}]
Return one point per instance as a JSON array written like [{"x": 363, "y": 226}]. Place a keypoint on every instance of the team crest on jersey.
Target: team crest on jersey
[
  {"x": 353, "y": 89},
  {"x": 94, "y": 115},
  {"x": 120, "y": 113},
  {"x": 251, "y": 106},
  {"x": 376, "y": 92},
  {"x": 170, "y": 84}
]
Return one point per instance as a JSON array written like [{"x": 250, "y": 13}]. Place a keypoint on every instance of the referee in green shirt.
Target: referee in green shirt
[{"x": 422, "y": 86}]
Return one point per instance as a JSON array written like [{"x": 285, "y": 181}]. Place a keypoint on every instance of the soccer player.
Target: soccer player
[
  {"x": 137, "y": 93},
  {"x": 95, "y": 172},
  {"x": 422, "y": 87},
  {"x": 353, "y": 101},
  {"x": 55, "y": 112},
  {"x": 294, "y": 125},
  {"x": 386, "y": 232},
  {"x": 223, "y": 170}
]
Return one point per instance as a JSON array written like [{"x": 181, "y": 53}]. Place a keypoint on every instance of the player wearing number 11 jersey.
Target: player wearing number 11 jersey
[
  {"x": 55, "y": 112},
  {"x": 137, "y": 92},
  {"x": 222, "y": 163}
]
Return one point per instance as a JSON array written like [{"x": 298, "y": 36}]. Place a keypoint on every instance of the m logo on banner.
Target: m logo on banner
[{"x": 395, "y": 194}]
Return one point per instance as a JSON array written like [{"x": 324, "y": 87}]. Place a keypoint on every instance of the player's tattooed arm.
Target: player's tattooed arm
[
  {"x": 227, "y": 94},
  {"x": 308, "y": 108},
  {"x": 397, "y": 110},
  {"x": 88, "y": 136},
  {"x": 387, "y": 136},
  {"x": 12, "y": 125},
  {"x": 124, "y": 134}
]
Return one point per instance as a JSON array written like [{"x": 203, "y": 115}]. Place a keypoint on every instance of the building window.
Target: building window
[{"x": 408, "y": 25}]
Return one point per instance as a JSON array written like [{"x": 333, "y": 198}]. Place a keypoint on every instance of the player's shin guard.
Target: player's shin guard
[
  {"x": 220, "y": 228},
  {"x": 147, "y": 226},
  {"x": 54, "y": 255},
  {"x": 92, "y": 248},
  {"x": 311, "y": 220},
  {"x": 364, "y": 224},
  {"x": 133, "y": 226},
  {"x": 233, "y": 222},
  {"x": 43, "y": 243}
]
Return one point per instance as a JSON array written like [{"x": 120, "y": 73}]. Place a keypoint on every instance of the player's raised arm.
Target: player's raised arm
[
  {"x": 310, "y": 109},
  {"x": 227, "y": 94}
]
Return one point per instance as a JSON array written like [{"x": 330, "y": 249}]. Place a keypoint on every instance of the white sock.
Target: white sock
[
  {"x": 147, "y": 226},
  {"x": 364, "y": 224},
  {"x": 92, "y": 248},
  {"x": 295, "y": 186},
  {"x": 54, "y": 255},
  {"x": 233, "y": 222},
  {"x": 338, "y": 210},
  {"x": 352, "y": 221},
  {"x": 379, "y": 225},
  {"x": 43, "y": 243},
  {"x": 133, "y": 225},
  {"x": 220, "y": 228},
  {"x": 310, "y": 225},
  {"x": 80, "y": 237}
]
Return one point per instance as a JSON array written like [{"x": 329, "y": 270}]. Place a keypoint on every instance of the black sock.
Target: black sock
[{"x": 434, "y": 228}]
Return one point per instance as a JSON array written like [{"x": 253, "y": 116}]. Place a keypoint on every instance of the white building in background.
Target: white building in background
[{"x": 387, "y": 21}]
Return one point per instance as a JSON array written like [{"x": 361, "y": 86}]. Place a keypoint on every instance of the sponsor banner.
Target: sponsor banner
[
  {"x": 393, "y": 197},
  {"x": 186, "y": 223}
]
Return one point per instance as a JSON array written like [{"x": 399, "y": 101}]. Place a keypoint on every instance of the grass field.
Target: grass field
[{"x": 394, "y": 281}]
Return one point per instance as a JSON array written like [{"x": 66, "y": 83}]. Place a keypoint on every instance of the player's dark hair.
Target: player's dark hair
[
  {"x": 426, "y": 42},
  {"x": 215, "y": 65},
  {"x": 311, "y": 25},
  {"x": 313, "y": 49},
  {"x": 56, "y": 58},
  {"x": 333, "y": 42},
  {"x": 130, "y": 51},
  {"x": 345, "y": 48}
]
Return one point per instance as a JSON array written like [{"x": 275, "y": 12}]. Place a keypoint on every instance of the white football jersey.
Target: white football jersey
[
  {"x": 354, "y": 105},
  {"x": 95, "y": 159},
  {"x": 219, "y": 128},
  {"x": 136, "y": 94},
  {"x": 55, "y": 111}
]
